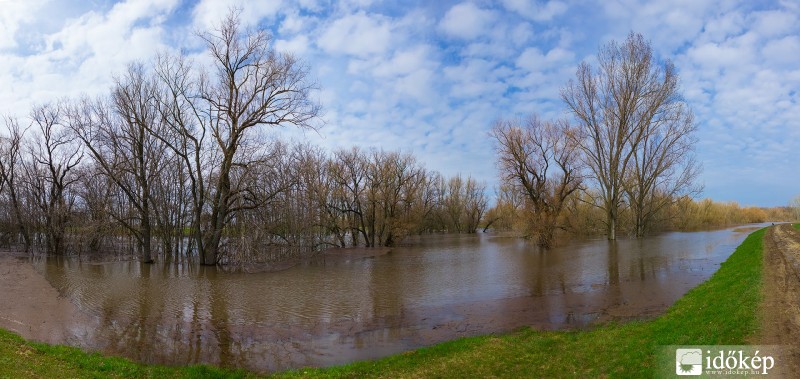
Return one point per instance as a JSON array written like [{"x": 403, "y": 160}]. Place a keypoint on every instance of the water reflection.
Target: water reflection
[{"x": 328, "y": 312}]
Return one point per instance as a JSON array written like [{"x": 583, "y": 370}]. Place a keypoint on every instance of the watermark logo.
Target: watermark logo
[
  {"x": 688, "y": 362},
  {"x": 721, "y": 361}
]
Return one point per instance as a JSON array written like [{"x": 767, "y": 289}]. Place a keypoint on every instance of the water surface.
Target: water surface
[{"x": 333, "y": 311}]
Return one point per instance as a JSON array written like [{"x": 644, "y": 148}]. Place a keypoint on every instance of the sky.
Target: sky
[{"x": 430, "y": 77}]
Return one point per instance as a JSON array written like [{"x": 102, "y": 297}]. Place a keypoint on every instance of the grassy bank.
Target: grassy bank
[
  {"x": 24, "y": 359},
  {"x": 723, "y": 310}
]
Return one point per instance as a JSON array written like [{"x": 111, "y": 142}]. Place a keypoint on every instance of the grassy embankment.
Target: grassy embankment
[{"x": 723, "y": 310}]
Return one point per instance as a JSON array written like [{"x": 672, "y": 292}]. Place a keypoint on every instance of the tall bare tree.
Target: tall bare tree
[
  {"x": 10, "y": 166},
  {"x": 119, "y": 135},
  {"x": 616, "y": 106},
  {"x": 663, "y": 167},
  {"x": 249, "y": 85},
  {"x": 541, "y": 160},
  {"x": 51, "y": 174}
]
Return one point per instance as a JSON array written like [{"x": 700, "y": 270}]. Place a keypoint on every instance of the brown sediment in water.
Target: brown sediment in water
[
  {"x": 329, "y": 255},
  {"x": 780, "y": 311},
  {"x": 352, "y": 304},
  {"x": 49, "y": 318},
  {"x": 351, "y": 253}
]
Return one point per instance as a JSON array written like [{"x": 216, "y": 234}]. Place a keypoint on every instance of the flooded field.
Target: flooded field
[{"x": 333, "y": 311}]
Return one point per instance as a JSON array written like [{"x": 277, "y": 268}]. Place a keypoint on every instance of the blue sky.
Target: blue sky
[{"x": 430, "y": 77}]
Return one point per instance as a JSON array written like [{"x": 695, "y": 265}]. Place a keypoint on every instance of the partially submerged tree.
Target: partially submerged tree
[
  {"x": 250, "y": 86},
  {"x": 50, "y": 173},
  {"x": 10, "y": 175},
  {"x": 663, "y": 167},
  {"x": 540, "y": 159},
  {"x": 119, "y": 134},
  {"x": 628, "y": 110}
]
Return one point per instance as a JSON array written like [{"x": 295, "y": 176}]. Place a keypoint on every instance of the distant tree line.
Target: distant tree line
[{"x": 174, "y": 162}]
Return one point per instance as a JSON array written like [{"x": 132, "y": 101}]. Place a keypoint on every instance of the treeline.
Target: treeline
[
  {"x": 174, "y": 162},
  {"x": 683, "y": 214}
]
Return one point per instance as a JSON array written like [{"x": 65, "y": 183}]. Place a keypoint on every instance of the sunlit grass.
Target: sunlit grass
[
  {"x": 723, "y": 310},
  {"x": 23, "y": 359}
]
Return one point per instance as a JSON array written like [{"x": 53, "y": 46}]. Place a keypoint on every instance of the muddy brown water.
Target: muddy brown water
[{"x": 334, "y": 311}]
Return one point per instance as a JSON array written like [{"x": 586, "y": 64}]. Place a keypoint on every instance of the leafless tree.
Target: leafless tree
[
  {"x": 186, "y": 139},
  {"x": 119, "y": 135},
  {"x": 393, "y": 184},
  {"x": 10, "y": 166},
  {"x": 794, "y": 204},
  {"x": 464, "y": 203},
  {"x": 663, "y": 167},
  {"x": 346, "y": 206},
  {"x": 475, "y": 204},
  {"x": 540, "y": 159},
  {"x": 250, "y": 85},
  {"x": 50, "y": 174},
  {"x": 615, "y": 107}
]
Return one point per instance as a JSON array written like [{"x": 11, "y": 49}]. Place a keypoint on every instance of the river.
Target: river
[{"x": 334, "y": 311}]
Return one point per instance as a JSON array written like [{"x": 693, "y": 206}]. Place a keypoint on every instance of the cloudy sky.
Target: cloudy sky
[{"x": 430, "y": 77}]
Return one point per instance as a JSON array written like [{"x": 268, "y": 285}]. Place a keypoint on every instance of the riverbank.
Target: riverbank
[{"x": 723, "y": 310}]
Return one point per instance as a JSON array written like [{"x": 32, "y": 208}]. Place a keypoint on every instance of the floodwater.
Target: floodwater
[{"x": 334, "y": 311}]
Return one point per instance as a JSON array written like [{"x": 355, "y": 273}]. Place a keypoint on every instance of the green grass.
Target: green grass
[
  {"x": 24, "y": 359},
  {"x": 721, "y": 311}
]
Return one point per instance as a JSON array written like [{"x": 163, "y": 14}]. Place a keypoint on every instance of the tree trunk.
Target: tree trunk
[
  {"x": 612, "y": 225},
  {"x": 146, "y": 256}
]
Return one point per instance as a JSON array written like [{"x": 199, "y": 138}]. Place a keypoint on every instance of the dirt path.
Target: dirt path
[
  {"x": 50, "y": 318},
  {"x": 781, "y": 308}
]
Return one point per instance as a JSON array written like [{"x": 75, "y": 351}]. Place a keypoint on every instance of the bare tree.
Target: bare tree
[
  {"x": 10, "y": 166},
  {"x": 615, "y": 106},
  {"x": 393, "y": 184},
  {"x": 475, "y": 204},
  {"x": 119, "y": 135},
  {"x": 346, "y": 206},
  {"x": 186, "y": 138},
  {"x": 463, "y": 203},
  {"x": 250, "y": 85},
  {"x": 541, "y": 160},
  {"x": 663, "y": 167},
  {"x": 51, "y": 173}
]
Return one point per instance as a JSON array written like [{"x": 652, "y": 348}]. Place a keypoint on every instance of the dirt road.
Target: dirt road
[{"x": 781, "y": 308}]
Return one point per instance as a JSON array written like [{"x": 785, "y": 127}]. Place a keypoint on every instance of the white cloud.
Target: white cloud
[
  {"x": 208, "y": 13},
  {"x": 532, "y": 59},
  {"x": 406, "y": 61},
  {"x": 475, "y": 78},
  {"x": 298, "y": 45},
  {"x": 725, "y": 25},
  {"x": 715, "y": 56},
  {"x": 536, "y": 11},
  {"x": 466, "y": 21},
  {"x": 294, "y": 23},
  {"x": 358, "y": 34},
  {"x": 774, "y": 23},
  {"x": 782, "y": 52},
  {"x": 12, "y": 15}
]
